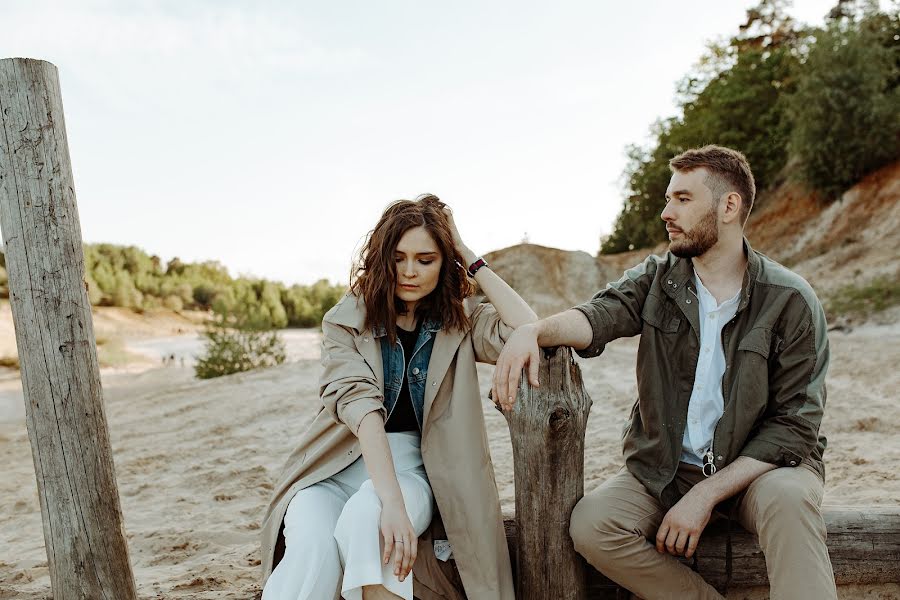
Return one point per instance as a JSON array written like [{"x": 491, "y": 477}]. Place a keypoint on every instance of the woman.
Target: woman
[{"x": 402, "y": 429}]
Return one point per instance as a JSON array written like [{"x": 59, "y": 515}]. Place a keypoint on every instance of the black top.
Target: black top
[{"x": 403, "y": 417}]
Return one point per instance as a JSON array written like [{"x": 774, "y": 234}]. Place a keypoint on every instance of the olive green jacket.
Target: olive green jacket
[{"x": 776, "y": 356}]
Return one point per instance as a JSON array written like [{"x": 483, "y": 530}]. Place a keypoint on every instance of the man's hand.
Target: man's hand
[
  {"x": 682, "y": 526},
  {"x": 521, "y": 349}
]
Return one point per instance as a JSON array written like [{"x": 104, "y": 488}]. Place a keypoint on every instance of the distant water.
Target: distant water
[{"x": 301, "y": 344}]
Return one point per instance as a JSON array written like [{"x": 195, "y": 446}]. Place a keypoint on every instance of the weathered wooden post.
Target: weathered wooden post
[
  {"x": 547, "y": 429},
  {"x": 86, "y": 548}
]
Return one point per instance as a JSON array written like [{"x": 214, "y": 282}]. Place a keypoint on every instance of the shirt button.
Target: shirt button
[
  {"x": 433, "y": 383},
  {"x": 416, "y": 371},
  {"x": 793, "y": 463},
  {"x": 669, "y": 282},
  {"x": 365, "y": 339},
  {"x": 688, "y": 300},
  {"x": 712, "y": 316}
]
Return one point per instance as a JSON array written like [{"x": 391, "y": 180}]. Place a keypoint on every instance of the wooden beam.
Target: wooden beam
[
  {"x": 864, "y": 545},
  {"x": 547, "y": 429},
  {"x": 83, "y": 532}
]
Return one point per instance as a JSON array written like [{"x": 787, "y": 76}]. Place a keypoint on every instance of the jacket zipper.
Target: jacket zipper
[{"x": 710, "y": 456}]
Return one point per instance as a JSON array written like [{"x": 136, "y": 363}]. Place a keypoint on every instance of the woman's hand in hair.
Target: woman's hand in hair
[
  {"x": 400, "y": 541},
  {"x": 467, "y": 255}
]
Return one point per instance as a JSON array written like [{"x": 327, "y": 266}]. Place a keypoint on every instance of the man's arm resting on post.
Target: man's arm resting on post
[
  {"x": 683, "y": 525},
  {"x": 613, "y": 312},
  {"x": 569, "y": 328}
]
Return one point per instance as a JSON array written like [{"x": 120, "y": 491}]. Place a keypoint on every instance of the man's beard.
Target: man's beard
[{"x": 699, "y": 239}]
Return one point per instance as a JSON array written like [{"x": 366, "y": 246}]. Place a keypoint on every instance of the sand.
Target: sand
[{"x": 196, "y": 460}]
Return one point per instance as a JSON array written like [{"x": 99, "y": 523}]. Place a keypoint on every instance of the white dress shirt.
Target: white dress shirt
[{"x": 707, "y": 404}]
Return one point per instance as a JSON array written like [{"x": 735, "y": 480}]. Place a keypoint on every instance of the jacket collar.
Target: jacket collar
[
  {"x": 680, "y": 275},
  {"x": 430, "y": 325},
  {"x": 750, "y": 276},
  {"x": 350, "y": 311}
]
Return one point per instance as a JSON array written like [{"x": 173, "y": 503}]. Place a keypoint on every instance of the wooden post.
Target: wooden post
[
  {"x": 83, "y": 532},
  {"x": 547, "y": 429}
]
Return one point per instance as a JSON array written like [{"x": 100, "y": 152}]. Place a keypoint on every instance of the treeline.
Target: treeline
[
  {"x": 127, "y": 276},
  {"x": 822, "y": 104}
]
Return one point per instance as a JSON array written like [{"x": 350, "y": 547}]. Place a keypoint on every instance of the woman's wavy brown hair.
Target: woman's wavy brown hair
[{"x": 375, "y": 278}]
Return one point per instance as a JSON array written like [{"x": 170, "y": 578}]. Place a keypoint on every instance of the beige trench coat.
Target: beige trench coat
[{"x": 454, "y": 449}]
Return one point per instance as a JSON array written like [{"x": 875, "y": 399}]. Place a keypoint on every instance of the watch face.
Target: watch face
[{"x": 473, "y": 268}]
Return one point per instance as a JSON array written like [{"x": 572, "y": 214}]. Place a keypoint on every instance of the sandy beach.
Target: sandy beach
[{"x": 196, "y": 460}]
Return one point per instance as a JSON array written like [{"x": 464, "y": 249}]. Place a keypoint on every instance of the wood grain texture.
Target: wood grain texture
[
  {"x": 547, "y": 429},
  {"x": 83, "y": 532},
  {"x": 864, "y": 545}
]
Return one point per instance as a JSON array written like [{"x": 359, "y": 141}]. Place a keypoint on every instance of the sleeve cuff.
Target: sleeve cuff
[
  {"x": 352, "y": 417},
  {"x": 771, "y": 453},
  {"x": 597, "y": 325},
  {"x": 489, "y": 333}
]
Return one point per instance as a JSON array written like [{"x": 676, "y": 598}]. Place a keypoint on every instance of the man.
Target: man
[{"x": 731, "y": 390}]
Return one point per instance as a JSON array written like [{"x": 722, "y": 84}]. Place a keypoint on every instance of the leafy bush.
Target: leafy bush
[
  {"x": 174, "y": 303},
  {"x": 236, "y": 342}
]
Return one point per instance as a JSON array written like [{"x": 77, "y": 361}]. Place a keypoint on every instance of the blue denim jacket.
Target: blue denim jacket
[{"x": 393, "y": 360}]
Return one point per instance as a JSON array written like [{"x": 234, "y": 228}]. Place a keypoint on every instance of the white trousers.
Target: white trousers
[{"x": 332, "y": 531}]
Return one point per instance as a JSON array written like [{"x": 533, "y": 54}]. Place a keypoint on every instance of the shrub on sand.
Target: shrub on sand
[{"x": 236, "y": 342}]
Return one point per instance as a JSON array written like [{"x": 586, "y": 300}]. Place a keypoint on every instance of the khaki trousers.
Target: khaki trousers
[{"x": 614, "y": 528}]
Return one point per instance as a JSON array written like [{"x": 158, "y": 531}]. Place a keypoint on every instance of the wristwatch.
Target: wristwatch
[{"x": 475, "y": 266}]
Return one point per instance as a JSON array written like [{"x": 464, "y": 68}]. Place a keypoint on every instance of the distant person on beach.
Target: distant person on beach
[
  {"x": 396, "y": 463},
  {"x": 731, "y": 391}
]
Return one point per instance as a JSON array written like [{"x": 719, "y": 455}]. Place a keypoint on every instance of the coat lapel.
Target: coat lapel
[
  {"x": 445, "y": 346},
  {"x": 350, "y": 311}
]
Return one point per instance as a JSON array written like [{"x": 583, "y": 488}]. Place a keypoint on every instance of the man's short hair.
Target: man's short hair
[{"x": 728, "y": 171}]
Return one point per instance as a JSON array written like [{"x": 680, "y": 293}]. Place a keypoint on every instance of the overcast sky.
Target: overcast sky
[{"x": 270, "y": 135}]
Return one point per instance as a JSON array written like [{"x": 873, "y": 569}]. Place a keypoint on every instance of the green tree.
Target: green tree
[
  {"x": 734, "y": 99},
  {"x": 127, "y": 276},
  {"x": 203, "y": 295},
  {"x": 124, "y": 293},
  {"x": 306, "y": 305},
  {"x": 846, "y": 110}
]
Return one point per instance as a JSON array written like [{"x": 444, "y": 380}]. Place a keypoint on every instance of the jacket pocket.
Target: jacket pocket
[
  {"x": 658, "y": 316},
  {"x": 749, "y": 379},
  {"x": 758, "y": 340}
]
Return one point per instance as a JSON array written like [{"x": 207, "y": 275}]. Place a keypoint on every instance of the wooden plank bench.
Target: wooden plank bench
[{"x": 863, "y": 542}]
